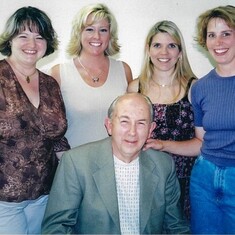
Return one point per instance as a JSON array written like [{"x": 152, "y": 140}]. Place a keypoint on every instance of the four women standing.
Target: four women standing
[{"x": 33, "y": 122}]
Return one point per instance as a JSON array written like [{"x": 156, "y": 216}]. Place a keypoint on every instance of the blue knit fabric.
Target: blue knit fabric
[{"x": 213, "y": 100}]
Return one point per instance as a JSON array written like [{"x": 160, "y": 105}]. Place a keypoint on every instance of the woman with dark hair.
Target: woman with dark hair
[{"x": 32, "y": 121}]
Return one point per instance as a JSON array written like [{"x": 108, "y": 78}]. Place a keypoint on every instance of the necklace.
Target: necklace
[
  {"x": 27, "y": 77},
  {"x": 93, "y": 78},
  {"x": 162, "y": 85}
]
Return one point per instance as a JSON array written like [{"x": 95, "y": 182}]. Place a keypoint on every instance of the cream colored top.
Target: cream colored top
[{"x": 86, "y": 106}]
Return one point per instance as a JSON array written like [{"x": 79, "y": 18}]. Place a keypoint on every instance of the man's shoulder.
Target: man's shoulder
[
  {"x": 158, "y": 156},
  {"x": 91, "y": 149},
  {"x": 159, "y": 162}
]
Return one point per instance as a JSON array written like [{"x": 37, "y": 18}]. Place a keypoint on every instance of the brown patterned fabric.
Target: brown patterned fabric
[{"x": 27, "y": 136}]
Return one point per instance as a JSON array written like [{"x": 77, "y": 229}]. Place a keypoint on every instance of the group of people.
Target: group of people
[{"x": 87, "y": 149}]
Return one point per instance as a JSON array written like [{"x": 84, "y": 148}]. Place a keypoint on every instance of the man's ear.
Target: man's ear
[
  {"x": 152, "y": 127},
  {"x": 108, "y": 125}
]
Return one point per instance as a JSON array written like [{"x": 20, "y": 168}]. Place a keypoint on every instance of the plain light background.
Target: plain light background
[{"x": 134, "y": 17}]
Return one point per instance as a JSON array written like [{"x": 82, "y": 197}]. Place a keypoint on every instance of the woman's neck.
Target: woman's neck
[
  {"x": 92, "y": 60},
  {"x": 163, "y": 78},
  {"x": 227, "y": 70}
]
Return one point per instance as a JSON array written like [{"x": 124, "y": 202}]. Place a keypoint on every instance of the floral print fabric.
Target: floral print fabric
[
  {"x": 175, "y": 122},
  {"x": 27, "y": 136}
]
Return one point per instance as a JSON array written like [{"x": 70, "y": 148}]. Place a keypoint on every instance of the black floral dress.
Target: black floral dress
[{"x": 175, "y": 122}]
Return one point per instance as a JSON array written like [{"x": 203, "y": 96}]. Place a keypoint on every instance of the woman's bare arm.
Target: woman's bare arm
[{"x": 187, "y": 148}]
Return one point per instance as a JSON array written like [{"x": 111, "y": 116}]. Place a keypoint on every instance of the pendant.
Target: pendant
[
  {"x": 95, "y": 79},
  {"x": 27, "y": 79}
]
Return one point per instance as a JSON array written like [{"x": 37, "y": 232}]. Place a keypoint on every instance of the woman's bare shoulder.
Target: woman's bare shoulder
[
  {"x": 55, "y": 72},
  {"x": 133, "y": 86}
]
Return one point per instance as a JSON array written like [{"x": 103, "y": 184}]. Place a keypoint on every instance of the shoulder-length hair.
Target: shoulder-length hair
[
  {"x": 33, "y": 19},
  {"x": 99, "y": 12},
  {"x": 183, "y": 71},
  {"x": 227, "y": 13}
]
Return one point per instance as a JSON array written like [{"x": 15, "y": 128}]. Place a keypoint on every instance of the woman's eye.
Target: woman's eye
[
  {"x": 172, "y": 45},
  {"x": 210, "y": 35},
  {"x": 157, "y": 45},
  {"x": 21, "y": 36},
  {"x": 226, "y": 34},
  {"x": 103, "y": 30},
  {"x": 89, "y": 29},
  {"x": 40, "y": 38}
]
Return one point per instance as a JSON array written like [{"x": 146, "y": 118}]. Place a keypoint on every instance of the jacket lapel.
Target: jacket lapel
[
  {"x": 104, "y": 178},
  {"x": 148, "y": 185}
]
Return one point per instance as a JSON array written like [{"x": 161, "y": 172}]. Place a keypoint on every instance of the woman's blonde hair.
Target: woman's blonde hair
[
  {"x": 183, "y": 71},
  {"x": 99, "y": 12},
  {"x": 227, "y": 13}
]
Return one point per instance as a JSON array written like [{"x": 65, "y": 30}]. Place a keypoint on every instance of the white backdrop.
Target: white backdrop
[{"x": 135, "y": 17}]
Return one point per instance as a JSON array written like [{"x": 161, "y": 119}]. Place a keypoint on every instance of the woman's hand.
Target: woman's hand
[
  {"x": 189, "y": 148},
  {"x": 154, "y": 144}
]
